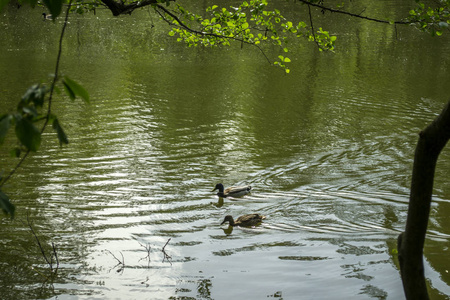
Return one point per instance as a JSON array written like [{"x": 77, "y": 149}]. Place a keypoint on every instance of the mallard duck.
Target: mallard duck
[
  {"x": 244, "y": 221},
  {"x": 47, "y": 16},
  {"x": 234, "y": 191}
]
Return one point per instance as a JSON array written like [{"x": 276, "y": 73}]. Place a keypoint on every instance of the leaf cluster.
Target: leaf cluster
[
  {"x": 25, "y": 120},
  {"x": 249, "y": 23},
  {"x": 431, "y": 19},
  {"x": 30, "y": 112}
]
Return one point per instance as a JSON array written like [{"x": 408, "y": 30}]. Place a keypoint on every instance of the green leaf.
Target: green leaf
[
  {"x": 76, "y": 88},
  {"x": 6, "y": 205},
  {"x": 5, "y": 123},
  {"x": 28, "y": 134},
  {"x": 35, "y": 95},
  {"x": 62, "y": 137},
  {"x": 30, "y": 110},
  {"x": 69, "y": 91}
]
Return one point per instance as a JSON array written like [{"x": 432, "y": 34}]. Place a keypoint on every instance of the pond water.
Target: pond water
[{"x": 327, "y": 149}]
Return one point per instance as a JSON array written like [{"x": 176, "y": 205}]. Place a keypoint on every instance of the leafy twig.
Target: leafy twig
[
  {"x": 180, "y": 24},
  {"x": 52, "y": 87}
]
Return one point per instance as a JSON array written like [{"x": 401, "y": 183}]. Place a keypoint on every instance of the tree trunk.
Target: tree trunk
[{"x": 410, "y": 243}]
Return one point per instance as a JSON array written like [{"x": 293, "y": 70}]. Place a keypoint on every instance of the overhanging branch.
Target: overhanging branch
[
  {"x": 325, "y": 8},
  {"x": 181, "y": 24}
]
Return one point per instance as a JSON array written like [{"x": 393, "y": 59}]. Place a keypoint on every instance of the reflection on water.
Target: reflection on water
[{"x": 328, "y": 151}]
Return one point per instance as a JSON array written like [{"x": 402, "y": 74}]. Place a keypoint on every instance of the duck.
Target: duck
[
  {"x": 234, "y": 191},
  {"x": 47, "y": 16},
  {"x": 244, "y": 221}
]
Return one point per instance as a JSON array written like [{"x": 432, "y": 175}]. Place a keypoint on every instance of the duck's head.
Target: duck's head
[
  {"x": 219, "y": 187},
  {"x": 228, "y": 219}
]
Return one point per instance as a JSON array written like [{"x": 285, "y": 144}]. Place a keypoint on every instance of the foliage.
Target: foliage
[
  {"x": 431, "y": 19},
  {"x": 249, "y": 23},
  {"x": 29, "y": 113},
  {"x": 33, "y": 113}
]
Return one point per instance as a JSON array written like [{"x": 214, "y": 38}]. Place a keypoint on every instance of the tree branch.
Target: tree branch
[
  {"x": 325, "y": 8},
  {"x": 201, "y": 33},
  {"x": 312, "y": 25}
]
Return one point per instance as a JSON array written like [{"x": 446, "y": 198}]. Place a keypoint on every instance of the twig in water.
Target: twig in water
[
  {"x": 166, "y": 256},
  {"x": 148, "y": 248},
  {"x": 54, "y": 254},
  {"x": 49, "y": 262},
  {"x": 119, "y": 263}
]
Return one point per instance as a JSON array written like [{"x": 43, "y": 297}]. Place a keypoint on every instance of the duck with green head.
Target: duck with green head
[
  {"x": 234, "y": 191},
  {"x": 245, "y": 220}
]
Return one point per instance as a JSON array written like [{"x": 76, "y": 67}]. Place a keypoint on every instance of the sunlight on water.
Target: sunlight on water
[{"x": 129, "y": 204}]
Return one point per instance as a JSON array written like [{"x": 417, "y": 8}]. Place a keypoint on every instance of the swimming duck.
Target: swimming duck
[
  {"x": 234, "y": 191},
  {"x": 245, "y": 220},
  {"x": 47, "y": 16}
]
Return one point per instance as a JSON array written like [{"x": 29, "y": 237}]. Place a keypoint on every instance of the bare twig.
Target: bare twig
[
  {"x": 11, "y": 173},
  {"x": 30, "y": 225},
  {"x": 55, "y": 254},
  {"x": 312, "y": 26},
  {"x": 325, "y": 8},
  {"x": 119, "y": 262},
  {"x": 166, "y": 256},
  {"x": 49, "y": 261},
  {"x": 148, "y": 248}
]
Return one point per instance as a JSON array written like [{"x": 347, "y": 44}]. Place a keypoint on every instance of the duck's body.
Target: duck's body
[
  {"x": 47, "y": 16},
  {"x": 234, "y": 191},
  {"x": 245, "y": 220}
]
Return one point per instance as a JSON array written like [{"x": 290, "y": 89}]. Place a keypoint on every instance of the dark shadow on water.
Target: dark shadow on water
[
  {"x": 219, "y": 202},
  {"x": 228, "y": 230}
]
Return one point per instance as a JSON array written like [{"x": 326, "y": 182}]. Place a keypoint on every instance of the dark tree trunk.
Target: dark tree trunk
[{"x": 410, "y": 243}]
